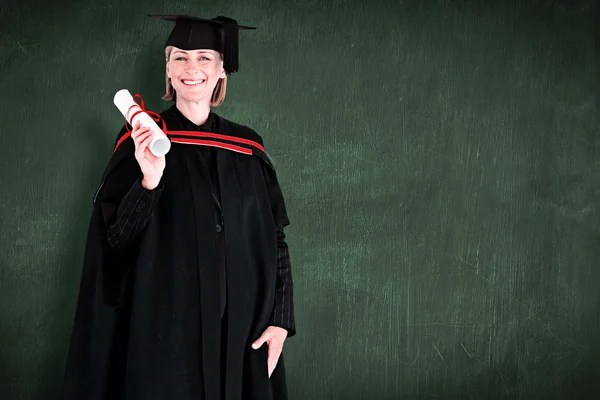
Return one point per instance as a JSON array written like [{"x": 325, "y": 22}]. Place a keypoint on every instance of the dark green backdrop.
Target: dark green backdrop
[{"x": 440, "y": 160}]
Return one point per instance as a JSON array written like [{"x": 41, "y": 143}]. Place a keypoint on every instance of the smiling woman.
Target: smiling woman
[{"x": 186, "y": 289}]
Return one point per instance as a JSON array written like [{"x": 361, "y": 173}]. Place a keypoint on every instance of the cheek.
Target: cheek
[
  {"x": 215, "y": 70},
  {"x": 175, "y": 70}
]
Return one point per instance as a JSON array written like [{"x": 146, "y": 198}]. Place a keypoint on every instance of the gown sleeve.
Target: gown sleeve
[
  {"x": 283, "y": 309},
  {"x": 133, "y": 213},
  {"x": 126, "y": 205}
]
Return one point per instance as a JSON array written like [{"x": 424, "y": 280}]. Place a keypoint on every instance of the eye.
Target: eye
[
  {"x": 180, "y": 58},
  {"x": 204, "y": 58}
]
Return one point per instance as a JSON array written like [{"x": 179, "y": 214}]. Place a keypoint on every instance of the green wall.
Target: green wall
[{"x": 440, "y": 161}]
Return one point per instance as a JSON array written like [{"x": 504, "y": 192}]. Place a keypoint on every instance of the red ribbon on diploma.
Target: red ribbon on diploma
[{"x": 155, "y": 116}]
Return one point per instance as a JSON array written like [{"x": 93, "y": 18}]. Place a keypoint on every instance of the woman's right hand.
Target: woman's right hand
[{"x": 152, "y": 167}]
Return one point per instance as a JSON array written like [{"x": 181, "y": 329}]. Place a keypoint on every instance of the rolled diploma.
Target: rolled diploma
[{"x": 160, "y": 144}]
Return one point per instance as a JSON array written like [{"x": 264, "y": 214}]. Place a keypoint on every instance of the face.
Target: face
[{"x": 194, "y": 73}]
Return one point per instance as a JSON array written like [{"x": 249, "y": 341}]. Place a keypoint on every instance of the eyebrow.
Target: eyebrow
[{"x": 185, "y": 52}]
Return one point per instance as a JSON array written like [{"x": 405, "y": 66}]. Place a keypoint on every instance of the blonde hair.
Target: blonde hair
[{"x": 218, "y": 95}]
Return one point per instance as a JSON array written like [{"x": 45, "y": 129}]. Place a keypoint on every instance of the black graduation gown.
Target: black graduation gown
[{"x": 148, "y": 321}]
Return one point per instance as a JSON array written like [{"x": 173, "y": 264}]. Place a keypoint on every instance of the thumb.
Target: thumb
[{"x": 260, "y": 341}]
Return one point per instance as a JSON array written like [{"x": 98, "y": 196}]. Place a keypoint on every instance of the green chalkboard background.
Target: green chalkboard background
[{"x": 440, "y": 161}]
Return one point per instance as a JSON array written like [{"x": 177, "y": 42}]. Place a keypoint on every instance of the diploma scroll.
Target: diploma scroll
[{"x": 160, "y": 144}]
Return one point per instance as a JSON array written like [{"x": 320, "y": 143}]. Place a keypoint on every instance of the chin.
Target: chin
[{"x": 193, "y": 97}]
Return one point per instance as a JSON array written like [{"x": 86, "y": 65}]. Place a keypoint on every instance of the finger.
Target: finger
[
  {"x": 140, "y": 131},
  {"x": 140, "y": 139},
  {"x": 145, "y": 143},
  {"x": 144, "y": 136},
  {"x": 141, "y": 144},
  {"x": 138, "y": 127},
  {"x": 261, "y": 340}
]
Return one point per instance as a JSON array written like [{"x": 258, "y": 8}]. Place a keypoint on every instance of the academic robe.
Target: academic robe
[{"x": 179, "y": 281}]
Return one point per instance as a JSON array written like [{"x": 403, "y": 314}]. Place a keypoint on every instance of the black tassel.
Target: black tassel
[{"x": 229, "y": 43}]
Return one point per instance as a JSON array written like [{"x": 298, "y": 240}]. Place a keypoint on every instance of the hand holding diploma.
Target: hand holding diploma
[
  {"x": 133, "y": 112},
  {"x": 151, "y": 143},
  {"x": 152, "y": 166}
]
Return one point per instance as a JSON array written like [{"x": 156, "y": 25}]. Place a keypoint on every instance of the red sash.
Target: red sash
[{"x": 233, "y": 143}]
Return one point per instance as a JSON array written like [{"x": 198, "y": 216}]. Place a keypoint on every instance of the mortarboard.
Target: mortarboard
[{"x": 219, "y": 34}]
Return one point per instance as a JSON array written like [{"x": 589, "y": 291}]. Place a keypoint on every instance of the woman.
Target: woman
[{"x": 186, "y": 290}]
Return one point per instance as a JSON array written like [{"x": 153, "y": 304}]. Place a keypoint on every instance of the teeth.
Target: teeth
[{"x": 192, "y": 83}]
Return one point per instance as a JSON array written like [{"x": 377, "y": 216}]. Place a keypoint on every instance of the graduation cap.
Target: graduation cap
[{"x": 219, "y": 34}]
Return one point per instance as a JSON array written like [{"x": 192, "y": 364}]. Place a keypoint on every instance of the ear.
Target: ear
[{"x": 167, "y": 69}]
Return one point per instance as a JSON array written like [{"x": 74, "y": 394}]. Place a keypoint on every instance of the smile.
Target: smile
[{"x": 193, "y": 83}]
